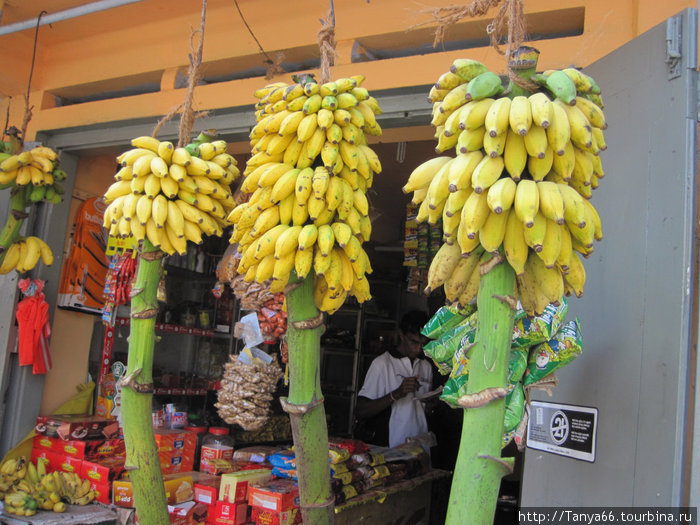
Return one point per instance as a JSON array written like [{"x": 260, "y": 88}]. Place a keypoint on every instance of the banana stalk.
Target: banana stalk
[
  {"x": 137, "y": 393},
  {"x": 524, "y": 63},
  {"x": 305, "y": 403},
  {"x": 18, "y": 212},
  {"x": 479, "y": 467}
]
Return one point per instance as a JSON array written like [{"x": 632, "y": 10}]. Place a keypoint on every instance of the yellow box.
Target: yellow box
[
  {"x": 234, "y": 485},
  {"x": 178, "y": 489}
]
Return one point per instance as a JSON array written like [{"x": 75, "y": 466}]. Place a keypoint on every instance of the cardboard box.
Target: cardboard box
[
  {"x": 69, "y": 463},
  {"x": 230, "y": 513},
  {"x": 81, "y": 449},
  {"x": 52, "y": 459},
  {"x": 178, "y": 489},
  {"x": 103, "y": 470},
  {"x": 207, "y": 490},
  {"x": 278, "y": 495},
  {"x": 268, "y": 517},
  {"x": 103, "y": 492},
  {"x": 234, "y": 485},
  {"x": 189, "y": 513},
  {"x": 176, "y": 450},
  {"x": 69, "y": 426}
]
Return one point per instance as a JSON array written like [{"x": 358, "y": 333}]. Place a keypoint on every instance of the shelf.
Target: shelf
[
  {"x": 177, "y": 271},
  {"x": 175, "y": 328},
  {"x": 338, "y": 348},
  {"x": 166, "y": 391}
]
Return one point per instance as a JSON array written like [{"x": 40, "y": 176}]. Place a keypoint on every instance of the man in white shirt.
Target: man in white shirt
[{"x": 392, "y": 382}]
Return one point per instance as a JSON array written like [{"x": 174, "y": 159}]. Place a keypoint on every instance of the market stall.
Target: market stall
[{"x": 263, "y": 344}]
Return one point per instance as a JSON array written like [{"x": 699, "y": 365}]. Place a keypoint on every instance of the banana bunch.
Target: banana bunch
[
  {"x": 24, "y": 254},
  {"x": 171, "y": 195},
  {"x": 521, "y": 179},
  {"x": 26, "y": 488},
  {"x": 37, "y": 169},
  {"x": 307, "y": 179}
]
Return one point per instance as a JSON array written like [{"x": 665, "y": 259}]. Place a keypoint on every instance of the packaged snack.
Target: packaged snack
[
  {"x": 283, "y": 458},
  {"x": 548, "y": 357},
  {"x": 532, "y": 331},
  {"x": 442, "y": 350},
  {"x": 515, "y": 406},
  {"x": 445, "y": 318},
  {"x": 287, "y": 473},
  {"x": 254, "y": 454}
]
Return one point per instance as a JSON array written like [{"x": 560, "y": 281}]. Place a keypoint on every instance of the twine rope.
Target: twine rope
[
  {"x": 326, "y": 43},
  {"x": 193, "y": 76},
  {"x": 508, "y": 22},
  {"x": 27, "y": 108}
]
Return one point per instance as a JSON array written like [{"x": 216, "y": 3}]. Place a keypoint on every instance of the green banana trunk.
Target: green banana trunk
[
  {"x": 137, "y": 393},
  {"x": 305, "y": 404},
  {"x": 15, "y": 219},
  {"x": 479, "y": 468}
]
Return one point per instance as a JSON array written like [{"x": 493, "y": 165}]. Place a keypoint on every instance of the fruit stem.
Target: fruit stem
[
  {"x": 305, "y": 403},
  {"x": 478, "y": 472},
  {"x": 523, "y": 63},
  {"x": 15, "y": 219},
  {"x": 137, "y": 393}
]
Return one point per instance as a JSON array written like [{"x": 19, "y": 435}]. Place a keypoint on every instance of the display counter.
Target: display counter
[{"x": 406, "y": 502}]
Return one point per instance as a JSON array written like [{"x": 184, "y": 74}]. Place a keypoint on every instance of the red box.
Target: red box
[
  {"x": 102, "y": 471},
  {"x": 52, "y": 459},
  {"x": 278, "y": 495},
  {"x": 268, "y": 517},
  {"x": 41, "y": 442},
  {"x": 176, "y": 450},
  {"x": 103, "y": 492},
  {"x": 206, "y": 493},
  {"x": 230, "y": 513},
  {"x": 188, "y": 513},
  {"x": 234, "y": 485},
  {"x": 68, "y": 426},
  {"x": 69, "y": 463}
]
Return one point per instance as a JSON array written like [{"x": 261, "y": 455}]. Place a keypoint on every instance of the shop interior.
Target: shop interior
[{"x": 188, "y": 366}]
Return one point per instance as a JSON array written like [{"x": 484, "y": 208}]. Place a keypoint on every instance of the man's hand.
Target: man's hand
[{"x": 408, "y": 385}]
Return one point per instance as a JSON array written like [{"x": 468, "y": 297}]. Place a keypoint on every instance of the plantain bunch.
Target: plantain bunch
[
  {"x": 169, "y": 194},
  {"x": 523, "y": 170},
  {"x": 36, "y": 169},
  {"x": 307, "y": 181}
]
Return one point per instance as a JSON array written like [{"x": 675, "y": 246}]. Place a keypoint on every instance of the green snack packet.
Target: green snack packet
[
  {"x": 442, "y": 350},
  {"x": 550, "y": 356},
  {"x": 454, "y": 388},
  {"x": 517, "y": 365},
  {"x": 507, "y": 438},
  {"x": 515, "y": 406},
  {"x": 528, "y": 331},
  {"x": 445, "y": 319}
]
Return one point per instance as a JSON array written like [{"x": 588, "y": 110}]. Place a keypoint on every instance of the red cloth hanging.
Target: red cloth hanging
[{"x": 33, "y": 327}]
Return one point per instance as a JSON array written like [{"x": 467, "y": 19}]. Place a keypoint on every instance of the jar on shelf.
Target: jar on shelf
[{"x": 217, "y": 444}]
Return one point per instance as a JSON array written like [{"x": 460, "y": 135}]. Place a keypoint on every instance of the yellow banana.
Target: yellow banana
[
  {"x": 501, "y": 195},
  {"x": 527, "y": 202},
  {"x": 520, "y": 115},
  {"x": 514, "y": 245}
]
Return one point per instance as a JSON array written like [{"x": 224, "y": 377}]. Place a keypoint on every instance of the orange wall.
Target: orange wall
[{"x": 154, "y": 47}]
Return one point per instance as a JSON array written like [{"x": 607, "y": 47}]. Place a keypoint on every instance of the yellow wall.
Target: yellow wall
[{"x": 72, "y": 331}]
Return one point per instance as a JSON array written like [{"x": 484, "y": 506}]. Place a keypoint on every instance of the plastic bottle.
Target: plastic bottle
[
  {"x": 200, "y": 432},
  {"x": 217, "y": 444}
]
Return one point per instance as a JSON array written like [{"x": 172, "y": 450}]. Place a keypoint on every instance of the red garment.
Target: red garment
[{"x": 34, "y": 330}]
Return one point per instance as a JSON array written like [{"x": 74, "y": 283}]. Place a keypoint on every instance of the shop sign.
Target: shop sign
[{"x": 566, "y": 430}]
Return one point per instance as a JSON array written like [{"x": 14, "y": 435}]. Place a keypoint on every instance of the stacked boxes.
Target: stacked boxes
[{"x": 176, "y": 449}]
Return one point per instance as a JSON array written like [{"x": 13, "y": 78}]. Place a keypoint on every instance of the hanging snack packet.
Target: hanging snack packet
[
  {"x": 446, "y": 318},
  {"x": 517, "y": 365},
  {"x": 443, "y": 350},
  {"x": 528, "y": 331},
  {"x": 548, "y": 357},
  {"x": 515, "y": 406}
]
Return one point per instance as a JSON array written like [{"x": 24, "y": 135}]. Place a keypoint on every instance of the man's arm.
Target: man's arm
[{"x": 371, "y": 407}]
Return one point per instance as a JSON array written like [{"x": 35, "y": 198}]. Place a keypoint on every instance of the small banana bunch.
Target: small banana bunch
[
  {"x": 24, "y": 254},
  {"x": 521, "y": 180},
  {"x": 37, "y": 169},
  {"x": 171, "y": 195},
  {"x": 26, "y": 488},
  {"x": 307, "y": 178}
]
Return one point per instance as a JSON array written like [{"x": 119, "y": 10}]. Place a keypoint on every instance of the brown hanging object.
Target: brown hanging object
[
  {"x": 274, "y": 67},
  {"x": 188, "y": 115},
  {"x": 27, "y": 108},
  {"x": 326, "y": 43}
]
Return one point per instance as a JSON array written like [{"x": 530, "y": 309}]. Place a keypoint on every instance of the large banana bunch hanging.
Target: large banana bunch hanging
[
  {"x": 307, "y": 178},
  {"x": 171, "y": 195},
  {"x": 521, "y": 179}
]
